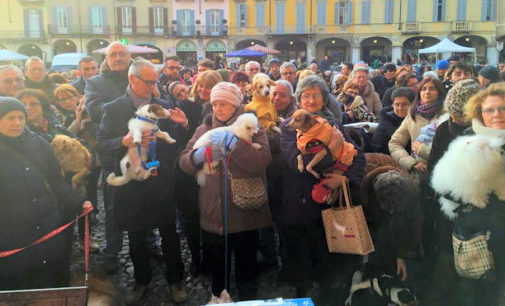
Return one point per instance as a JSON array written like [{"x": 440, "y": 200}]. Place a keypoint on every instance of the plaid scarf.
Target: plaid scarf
[{"x": 429, "y": 110}]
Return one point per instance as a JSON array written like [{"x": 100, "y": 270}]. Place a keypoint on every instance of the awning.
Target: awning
[
  {"x": 186, "y": 46},
  {"x": 215, "y": 46},
  {"x": 266, "y": 50},
  {"x": 6, "y": 55}
]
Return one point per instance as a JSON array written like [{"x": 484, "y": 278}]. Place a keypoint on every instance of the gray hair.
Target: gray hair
[
  {"x": 137, "y": 65},
  {"x": 11, "y": 67},
  {"x": 286, "y": 65},
  {"x": 312, "y": 81},
  {"x": 249, "y": 63},
  {"x": 287, "y": 85},
  {"x": 430, "y": 74},
  {"x": 33, "y": 59}
]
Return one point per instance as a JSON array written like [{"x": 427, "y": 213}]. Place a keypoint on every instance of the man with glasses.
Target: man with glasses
[
  {"x": 141, "y": 206},
  {"x": 36, "y": 76},
  {"x": 288, "y": 73},
  {"x": 386, "y": 80},
  {"x": 88, "y": 69},
  {"x": 11, "y": 80},
  {"x": 169, "y": 74}
]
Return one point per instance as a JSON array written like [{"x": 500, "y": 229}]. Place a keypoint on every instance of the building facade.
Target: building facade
[{"x": 353, "y": 30}]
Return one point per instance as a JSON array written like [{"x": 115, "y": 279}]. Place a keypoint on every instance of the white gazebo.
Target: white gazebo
[{"x": 447, "y": 46}]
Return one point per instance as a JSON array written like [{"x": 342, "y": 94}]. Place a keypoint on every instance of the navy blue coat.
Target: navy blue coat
[
  {"x": 297, "y": 204},
  {"x": 388, "y": 124},
  {"x": 27, "y": 209},
  {"x": 138, "y": 205},
  {"x": 79, "y": 84}
]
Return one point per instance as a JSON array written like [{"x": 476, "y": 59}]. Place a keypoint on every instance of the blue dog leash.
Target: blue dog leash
[
  {"x": 225, "y": 221},
  {"x": 152, "y": 148}
]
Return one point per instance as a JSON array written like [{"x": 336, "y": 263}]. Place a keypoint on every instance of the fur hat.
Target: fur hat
[
  {"x": 459, "y": 95},
  {"x": 9, "y": 104},
  {"x": 443, "y": 64},
  {"x": 227, "y": 92},
  {"x": 490, "y": 73}
]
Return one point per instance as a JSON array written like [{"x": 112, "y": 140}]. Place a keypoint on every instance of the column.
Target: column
[
  {"x": 311, "y": 49},
  {"x": 355, "y": 54},
  {"x": 492, "y": 56},
  {"x": 200, "y": 50},
  {"x": 396, "y": 54}
]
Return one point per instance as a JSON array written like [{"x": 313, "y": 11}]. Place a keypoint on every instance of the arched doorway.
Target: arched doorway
[
  {"x": 502, "y": 51},
  {"x": 412, "y": 45},
  {"x": 376, "y": 48},
  {"x": 291, "y": 49},
  {"x": 215, "y": 49},
  {"x": 186, "y": 52},
  {"x": 96, "y": 44},
  {"x": 64, "y": 46},
  {"x": 155, "y": 58},
  {"x": 337, "y": 50},
  {"x": 473, "y": 41},
  {"x": 247, "y": 43},
  {"x": 30, "y": 50}
]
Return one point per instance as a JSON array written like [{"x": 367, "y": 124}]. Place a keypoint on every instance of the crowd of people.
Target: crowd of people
[{"x": 409, "y": 120}]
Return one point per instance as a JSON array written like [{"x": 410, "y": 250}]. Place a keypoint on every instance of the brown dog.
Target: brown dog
[
  {"x": 101, "y": 290},
  {"x": 73, "y": 158},
  {"x": 314, "y": 136}
]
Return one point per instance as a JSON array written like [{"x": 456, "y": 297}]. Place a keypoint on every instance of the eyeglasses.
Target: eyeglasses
[
  {"x": 66, "y": 99},
  {"x": 36, "y": 69},
  {"x": 313, "y": 97},
  {"x": 147, "y": 82},
  {"x": 12, "y": 81},
  {"x": 352, "y": 93},
  {"x": 173, "y": 67},
  {"x": 491, "y": 111},
  {"x": 288, "y": 73}
]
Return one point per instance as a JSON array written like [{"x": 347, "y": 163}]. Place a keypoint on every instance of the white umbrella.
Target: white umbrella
[
  {"x": 6, "y": 55},
  {"x": 133, "y": 49}
]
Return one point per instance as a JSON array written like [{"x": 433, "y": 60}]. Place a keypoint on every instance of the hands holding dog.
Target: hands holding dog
[
  {"x": 199, "y": 155},
  {"x": 146, "y": 138}
]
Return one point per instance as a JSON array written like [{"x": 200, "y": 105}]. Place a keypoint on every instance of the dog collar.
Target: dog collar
[{"x": 146, "y": 119}]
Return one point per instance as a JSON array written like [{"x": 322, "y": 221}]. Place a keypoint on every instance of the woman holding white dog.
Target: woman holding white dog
[
  {"x": 484, "y": 221},
  {"x": 244, "y": 162}
]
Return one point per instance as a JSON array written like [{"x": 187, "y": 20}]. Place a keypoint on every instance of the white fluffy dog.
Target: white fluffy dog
[
  {"x": 131, "y": 164},
  {"x": 471, "y": 169},
  {"x": 244, "y": 128}
]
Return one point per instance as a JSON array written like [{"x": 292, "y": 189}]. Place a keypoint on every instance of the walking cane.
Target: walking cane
[{"x": 225, "y": 214}]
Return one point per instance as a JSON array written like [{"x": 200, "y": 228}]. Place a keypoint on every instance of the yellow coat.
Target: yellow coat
[{"x": 265, "y": 111}]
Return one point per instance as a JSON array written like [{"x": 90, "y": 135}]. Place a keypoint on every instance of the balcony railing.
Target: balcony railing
[
  {"x": 31, "y": 1},
  {"x": 22, "y": 35},
  {"x": 56, "y": 30},
  {"x": 200, "y": 30},
  {"x": 411, "y": 27},
  {"x": 461, "y": 26},
  {"x": 330, "y": 28}
]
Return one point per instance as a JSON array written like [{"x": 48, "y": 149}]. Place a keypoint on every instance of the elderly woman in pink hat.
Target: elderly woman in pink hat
[{"x": 244, "y": 162}]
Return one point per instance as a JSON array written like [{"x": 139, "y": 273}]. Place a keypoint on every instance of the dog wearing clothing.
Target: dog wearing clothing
[{"x": 265, "y": 110}]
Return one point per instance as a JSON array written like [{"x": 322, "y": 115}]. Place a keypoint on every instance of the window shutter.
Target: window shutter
[
  {"x": 151, "y": 20},
  {"x": 461, "y": 10},
  {"x": 220, "y": 22},
  {"x": 337, "y": 13},
  {"x": 41, "y": 24},
  {"x": 165, "y": 20},
  {"x": 208, "y": 22},
  {"x": 365, "y": 12},
  {"x": 27, "y": 22},
  {"x": 54, "y": 18},
  {"x": 435, "y": 10},
  {"x": 119, "y": 20},
  {"x": 246, "y": 13},
  {"x": 444, "y": 8},
  {"x": 237, "y": 16},
  {"x": 134, "y": 19},
  {"x": 179, "y": 21},
  {"x": 349, "y": 13},
  {"x": 412, "y": 11},
  {"x": 90, "y": 19},
  {"x": 192, "y": 22},
  {"x": 493, "y": 10},
  {"x": 484, "y": 10},
  {"x": 69, "y": 20}
]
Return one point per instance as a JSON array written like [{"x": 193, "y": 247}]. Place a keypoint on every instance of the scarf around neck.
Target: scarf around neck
[{"x": 429, "y": 110}]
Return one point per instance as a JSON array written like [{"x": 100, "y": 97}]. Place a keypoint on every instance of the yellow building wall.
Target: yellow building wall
[{"x": 12, "y": 19}]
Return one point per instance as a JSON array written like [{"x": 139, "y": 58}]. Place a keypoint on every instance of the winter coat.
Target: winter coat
[
  {"x": 371, "y": 98},
  {"x": 381, "y": 84},
  {"x": 297, "y": 204},
  {"x": 53, "y": 128},
  {"x": 138, "y": 205},
  {"x": 27, "y": 209},
  {"x": 335, "y": 107},
  {"x": 79, "y": 85},
  {"x": 245, "y": 162},
  {"x": 103, "y": 88},
  {"x": 46, "y": 85},
  {"x": 386, "y": 98},
  {"x": 388, "y": 124},
  {"x": 360, "y": 110},
  {"x": 409, "y": 130}
]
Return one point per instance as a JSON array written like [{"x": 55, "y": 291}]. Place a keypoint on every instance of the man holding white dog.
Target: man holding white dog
[{"x": 140, "y": 206}]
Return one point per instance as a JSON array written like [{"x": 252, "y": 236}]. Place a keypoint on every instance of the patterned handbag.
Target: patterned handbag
[
  {"x": 248, "y": 193},
  {"x": 472, "y": 257},
  {"x": 346, "y": 228}
]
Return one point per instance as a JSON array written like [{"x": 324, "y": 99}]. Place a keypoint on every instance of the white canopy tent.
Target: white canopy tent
[{"x": 447, "y": 46}]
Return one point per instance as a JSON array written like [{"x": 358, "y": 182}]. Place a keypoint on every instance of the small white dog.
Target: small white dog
[
  {"x": 131, "y": 164},
  {"x": 471, "y": 169},
  {"x": 244, "y": 128}
]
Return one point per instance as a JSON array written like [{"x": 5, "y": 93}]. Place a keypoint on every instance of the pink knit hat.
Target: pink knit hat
[{"x": 226, "y": 92}]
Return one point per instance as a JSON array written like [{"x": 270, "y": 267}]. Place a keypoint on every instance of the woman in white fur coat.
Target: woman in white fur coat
[{"x": 469, "y": 179}]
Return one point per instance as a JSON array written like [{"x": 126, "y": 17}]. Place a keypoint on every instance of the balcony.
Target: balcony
[
  {"x": 411, "y": 27},
  {"x": 330, "y": 28},
  {"x": 461, "y": 26},
  {"x": 76, "y": 30},
  {"x": 21, "y": 36},
  {"x": 31, "y": 1},
  {"x": 200, "y": 30}
]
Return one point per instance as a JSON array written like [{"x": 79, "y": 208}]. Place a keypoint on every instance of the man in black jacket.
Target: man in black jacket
[
  {"x": 36, "y": 76},
  {"x": 140, "y": 206},
  {"x": 385, "y": 81},
  {"x": 88, "y": 69}
]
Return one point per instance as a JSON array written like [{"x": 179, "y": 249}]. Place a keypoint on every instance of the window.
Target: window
[
  {"x": 97, "y": 18},
  {"x": 439, "y": 10},
  {"x": 389, "y": 14},
  {"x": 461, "y": 13},
  {"x": 300, "y": 17},
  {"x": 186, "y": 22},
  {"x": 488, "y": 10},
  {"x": 158, "y": 20},
  {"x": 260, "y": 14},
  {"x": 280, "y": 7},
  {"x": 343, "y": 12},
  {"x": 321, "y": 13},
  {"x": 61, "y": 19},
  {"x": 241, "y": 15},
  {"x": 214, "y": 22},
  {"x": 365, "y": 12},
  {"x": 411, "y": 10},
  {"x": 33, "y": 20},
  {"x": 126, "y": 20}
]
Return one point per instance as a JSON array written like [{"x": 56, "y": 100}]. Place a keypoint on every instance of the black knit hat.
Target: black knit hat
[
  {"x": 9, "y": 104},
  {"x": 491, "y": 73}
]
